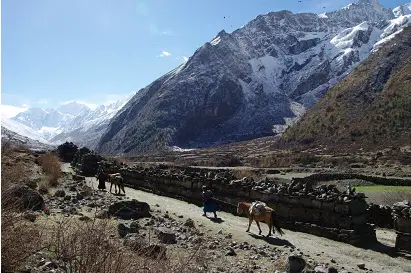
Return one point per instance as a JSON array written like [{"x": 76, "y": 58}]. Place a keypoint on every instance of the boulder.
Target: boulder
[
  {"x": 295, "y": 264},
  {"x": 230, "y": 252},
  {"x": 25, "y": 197},
  {"x": 134, "y": 226},
  {"x": 129, "y": 209},
  {"x": 166, "y": 235},
  {"x": 123, "y": 230},
  {"x": 79, "y": 196},
  {"x": 60, "y": 193},
  {"x": 138, "y": 244},
  {"x": 189, "y": 223},
  {"x": 30, "y": 216},
  {"x": 103, "y": 214}
]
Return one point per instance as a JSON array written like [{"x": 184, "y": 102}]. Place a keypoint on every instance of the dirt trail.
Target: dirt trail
[{"x": 320, "y": 249}]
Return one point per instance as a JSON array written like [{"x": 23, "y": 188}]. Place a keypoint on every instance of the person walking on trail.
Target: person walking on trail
[
  {"x": 102, "y": 180},
  {"x": 209, "y": 204}
]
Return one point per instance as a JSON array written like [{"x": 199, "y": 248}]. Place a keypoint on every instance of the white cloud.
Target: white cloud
[
  {"x": 9, "y": 111},
  {"x": 185, "y": 58},
  {"x": 166, "y": 33},
  {"x": 165, "y": 54}
]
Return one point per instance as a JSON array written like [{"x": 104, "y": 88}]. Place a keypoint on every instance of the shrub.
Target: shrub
[{"x": 51, "y": 167}]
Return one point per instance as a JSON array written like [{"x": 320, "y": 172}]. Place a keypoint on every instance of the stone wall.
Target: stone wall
[
  {"x": 379, "y": 180},
  {"x": 402, "y": 226},
  {"x": 322, "y": 211}
]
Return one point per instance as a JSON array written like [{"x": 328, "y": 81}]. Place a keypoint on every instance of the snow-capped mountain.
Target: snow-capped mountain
[
  {"x": 72, "y": 108},
  {"x": 73, "y": 121},
  {"x": 254, "y": 81},
  {"x": 402, "y": 10},
  {"x": 87, "y": 127},
  {"x": 38, "y": 118}
]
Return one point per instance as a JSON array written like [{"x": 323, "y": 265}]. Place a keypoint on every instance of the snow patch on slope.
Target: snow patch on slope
[
  {"x": 322, "y": 15},
  {"x": 267, "y": 69},
  {"x": 298, "y": 110},
  {"x": 181, "y": 150},
  {"x": 394, "y": 27},
  {"x": 347, "y": 6},
  {"x": 345, "y": 39},
  {"x": 216, "y": 41}
]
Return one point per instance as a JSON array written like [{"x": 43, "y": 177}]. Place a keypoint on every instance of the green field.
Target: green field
[
  {"x": 385, "y": 195},
  {"x": 381, "y": 188}
]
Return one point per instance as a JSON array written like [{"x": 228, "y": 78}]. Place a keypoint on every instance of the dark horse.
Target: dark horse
[{"x": 267, "y": 215}]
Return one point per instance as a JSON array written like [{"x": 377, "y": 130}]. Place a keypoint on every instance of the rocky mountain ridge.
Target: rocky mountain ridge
[{"x": 253, "y": 82}]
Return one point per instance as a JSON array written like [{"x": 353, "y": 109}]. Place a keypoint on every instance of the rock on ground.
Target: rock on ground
[
  {"x": 25, "y": 198},
  {"x": 132, "y": 209}
]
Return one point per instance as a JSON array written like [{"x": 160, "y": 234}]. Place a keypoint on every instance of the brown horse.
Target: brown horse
[{"x": 267, "y": 215}]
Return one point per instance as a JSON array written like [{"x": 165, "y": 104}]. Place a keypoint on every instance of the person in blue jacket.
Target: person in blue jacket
[{"x": 209, "y": 204}]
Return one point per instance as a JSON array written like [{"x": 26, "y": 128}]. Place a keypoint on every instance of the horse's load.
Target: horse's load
[{"x": 257, "y": 207}]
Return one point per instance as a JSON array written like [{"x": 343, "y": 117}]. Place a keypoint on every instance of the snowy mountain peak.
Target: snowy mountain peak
[
  {"x": 72, "y": 108},
  {"x": 402, "y": 10},
  {"x": 373, "y": 3},
  {"x": 363, "y": 10}
]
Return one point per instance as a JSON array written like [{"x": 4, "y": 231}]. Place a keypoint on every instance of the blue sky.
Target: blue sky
[{"x": 97, "y": 51}]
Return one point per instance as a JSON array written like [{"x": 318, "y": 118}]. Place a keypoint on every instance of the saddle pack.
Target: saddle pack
[{"x": 257, "y": 207}]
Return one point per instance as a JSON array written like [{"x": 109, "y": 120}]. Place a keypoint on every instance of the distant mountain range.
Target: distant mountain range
[
  {"x": 73, "y": 121},
  {"x": 253, "y": 82}
]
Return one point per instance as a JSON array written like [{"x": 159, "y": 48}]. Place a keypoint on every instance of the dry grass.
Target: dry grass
[
  {"x": 88, "y": 247},
  {"x": 50, "y": 165},
  {"x": 93, "y": 247},
  {"x": 20, "y": 238},
  {"x": 249, "y": 173}
]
